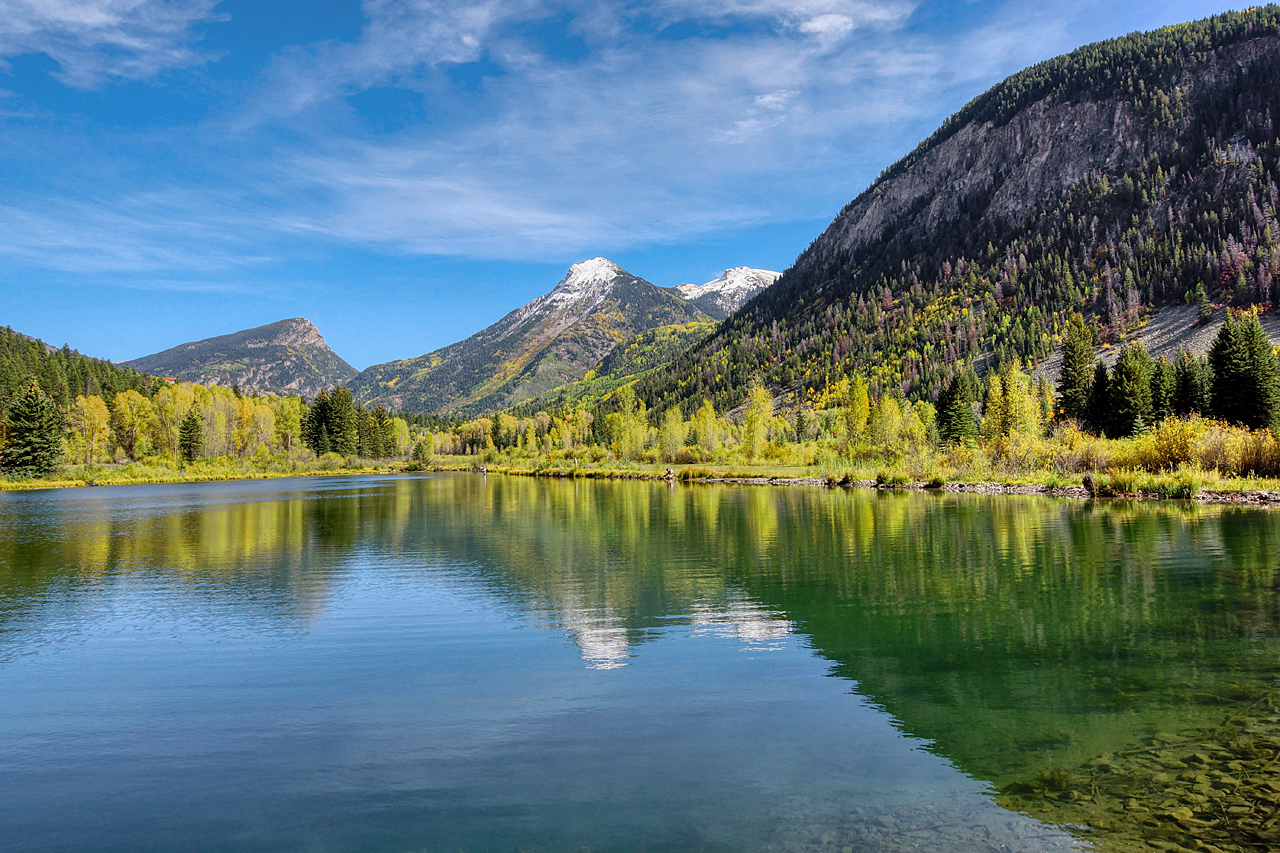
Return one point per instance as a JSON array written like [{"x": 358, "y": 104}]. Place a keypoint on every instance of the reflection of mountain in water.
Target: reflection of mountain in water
[{"x": 1016, "y": 634}]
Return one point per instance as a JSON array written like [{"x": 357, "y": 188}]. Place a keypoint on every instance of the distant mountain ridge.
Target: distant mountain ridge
[
  {"x": 286, "y": 357},
  {"x": 722, "y": 296},
  {"x": 553, "y": 340}
]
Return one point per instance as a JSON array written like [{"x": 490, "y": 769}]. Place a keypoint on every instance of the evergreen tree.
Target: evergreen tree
[
  {"x": 1077, "y": 369},
  {"x": 1164, "y": 387},
  {"x": 1227, "y": 357},
  {"x": 191, "y": 437},
  {"x": 1193, "y": 382},
  {"x": 1246, "y": 377},
  {"x": 1130, "y": 392},
  {"x": 1264, "y": 374},
  {"x": 314, "y": 421},
  {"x": 956, "y": 421},
  {"x": 343, "y": 422},
  {"x": 323, "y": 445},
  {"x": 34, "y": 427},
  {"x": 1098, "y": 411}
]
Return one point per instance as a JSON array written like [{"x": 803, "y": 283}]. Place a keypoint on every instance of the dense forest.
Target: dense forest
[
  {"x": 63, "y": 374},
  {"x": 1192, "y": 218}
]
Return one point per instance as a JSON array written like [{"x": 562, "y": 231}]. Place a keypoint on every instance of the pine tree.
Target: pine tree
[
  {"x": 956, "y": 421},
  {"x": 1232, "y": 385},
  {"x": 34, "y": 429},
  {"x": 1193, "y": 382},
  {"x": 323, "y": 445},
  {"x": 343, "y": 422},
  {"x": 1098, "y": 412},
  {"x": 1077, "y": 369},
  {"x": 191, "y": 437},
  {"x": 1263, "y": 378},
  {"x": 1130, "y": 392},
  {"x": 1164, "y": 387},
  {"x": 1077, "y": 375}
]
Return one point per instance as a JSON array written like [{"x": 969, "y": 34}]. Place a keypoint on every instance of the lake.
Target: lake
[{"x": 469, "y": 663}]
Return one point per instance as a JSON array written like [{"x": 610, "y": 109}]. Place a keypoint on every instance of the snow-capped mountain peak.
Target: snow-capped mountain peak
[
  {"x": 587, "y": 281},
  {"x": 730, "y": 291}
]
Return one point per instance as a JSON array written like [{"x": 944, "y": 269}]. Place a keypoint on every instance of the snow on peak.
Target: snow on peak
[
  {"x": 587, "y": 282},
  {"x": 733, "y": 289}
]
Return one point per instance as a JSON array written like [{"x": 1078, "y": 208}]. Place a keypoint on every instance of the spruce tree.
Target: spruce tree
[
  {"x": 956, "y": 421},
  {"x": 1192, "y": 385},
  {"x": 1077, "y": 369},
  {"x": 1164, "y": 385},
  {"x": 191, "y": 437},
  {"x": 343, "y": 422},
  {"x": 1098, "y": 411},
  {"x": 1264, "y": 374},
  {"x": 34, "y": 429},
  {"x": 1130, "y": 392}
]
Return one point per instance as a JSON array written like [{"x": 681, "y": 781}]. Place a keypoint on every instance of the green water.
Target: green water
[{"x": 470, "y": 663}]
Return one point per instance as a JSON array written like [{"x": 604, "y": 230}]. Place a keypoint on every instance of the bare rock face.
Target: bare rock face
[
  {"x": 1005, "y": 170},
  {"x": 288, "y": 357}
]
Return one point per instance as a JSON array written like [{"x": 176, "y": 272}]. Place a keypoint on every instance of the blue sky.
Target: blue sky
[{"x": 405, "y": 172}]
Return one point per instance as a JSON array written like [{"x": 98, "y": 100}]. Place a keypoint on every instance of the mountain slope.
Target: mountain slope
[
  {"x": 63, "y": 374},
  {"x": 553, "y": 340},
  {"x": 1127, "y": 174},
  {"x": 721, "y": 297},
  {"x": 287, "y": 357}
]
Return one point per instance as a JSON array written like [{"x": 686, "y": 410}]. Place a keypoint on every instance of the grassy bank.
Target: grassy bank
[{"x": 953, "y": 471}]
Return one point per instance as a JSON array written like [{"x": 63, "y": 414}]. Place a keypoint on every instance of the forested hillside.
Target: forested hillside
[
  {"x": 63, "y": 374},
  {"x": 1130, "y": 173}
]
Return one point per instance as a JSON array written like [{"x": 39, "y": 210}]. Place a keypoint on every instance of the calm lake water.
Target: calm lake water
[{"x": 503, "y": 664}]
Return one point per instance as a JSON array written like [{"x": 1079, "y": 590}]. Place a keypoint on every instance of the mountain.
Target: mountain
[
  {"x": 726, "y": 294},
  {"x": 1126, "y": 175},
  {"x": 553, "y": 340},
  {"x": 288, "y": 357}
]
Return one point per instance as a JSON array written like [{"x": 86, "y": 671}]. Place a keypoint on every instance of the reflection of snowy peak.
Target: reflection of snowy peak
[{"x": 729, "y": 292}]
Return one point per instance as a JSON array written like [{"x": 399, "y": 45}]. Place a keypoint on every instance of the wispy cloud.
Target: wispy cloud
[
  {"x": 763, "y": 111},
  {"x": 97, "y": 40}
]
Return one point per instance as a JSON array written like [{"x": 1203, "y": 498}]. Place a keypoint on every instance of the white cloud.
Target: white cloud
[{"x": 97, "y": 40}]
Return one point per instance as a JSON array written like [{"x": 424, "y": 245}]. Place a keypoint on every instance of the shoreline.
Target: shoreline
[{"x": 1241, "y": 497}]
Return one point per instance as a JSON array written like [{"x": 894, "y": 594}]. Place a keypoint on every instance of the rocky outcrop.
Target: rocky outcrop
[{"x": 287, "y": 357}]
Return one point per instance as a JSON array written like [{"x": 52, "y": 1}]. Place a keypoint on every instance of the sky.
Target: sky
[{"x": 405, "y": 172}]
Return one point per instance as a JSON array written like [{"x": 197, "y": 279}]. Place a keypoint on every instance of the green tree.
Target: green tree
[
  {"x": 1130, "y": 392},
  {"x": 1193, "y": 381},
  {"x": 957, "y": 423},
  {"x": 343, "y": 422},
  {"x": 1246, "y": 375},
  {"x": 1098, "y": 412},
  {"x": 707, "y": 427},
  {"x": 191, "y": 437},
  {"x": 671, "y": 434},
  {"x": 34, "y": 427},
  {"x": 1077, "y": 368},
  {"x": 1164, "y": 388}
]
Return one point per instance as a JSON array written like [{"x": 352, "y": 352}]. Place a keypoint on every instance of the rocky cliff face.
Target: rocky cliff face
[
  {"x": 1002, "y": 170},
  {"x": 288, "y": 357},
  {"x": 553, "y": 340}
]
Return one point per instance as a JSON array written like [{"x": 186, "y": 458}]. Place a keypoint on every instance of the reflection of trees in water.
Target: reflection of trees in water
[
  {"x": 1009, "y": 630},
  {"x": 1012, "y": 631},
  {"x": 271, "y": 557}
]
